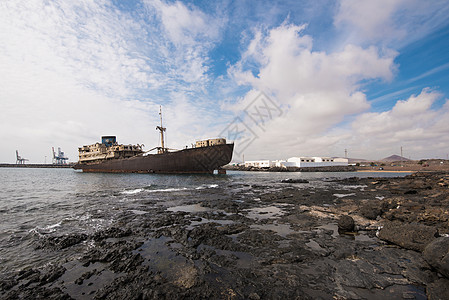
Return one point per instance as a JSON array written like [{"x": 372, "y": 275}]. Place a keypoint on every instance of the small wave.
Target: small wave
[
  {"x": 168, "y": 190},
  {"x": 138, "y": 212},
  {"x": 343, "y": 195},
  {"x": 210, "y": 186},
  {"x": 131, "y": 192},
  {"x": 45, "y": 230}
]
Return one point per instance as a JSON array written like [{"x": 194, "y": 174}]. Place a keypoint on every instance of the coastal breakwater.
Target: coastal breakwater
[{"x": 35, "y": 166}]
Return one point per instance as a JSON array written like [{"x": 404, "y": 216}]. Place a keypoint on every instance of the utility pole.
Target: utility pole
[
  {"x": 401, "y": 157},
  {"x": 346, "y": 153}
]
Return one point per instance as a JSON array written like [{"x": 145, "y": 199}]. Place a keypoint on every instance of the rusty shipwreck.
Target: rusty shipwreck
[{"x": 109, "y": 156}]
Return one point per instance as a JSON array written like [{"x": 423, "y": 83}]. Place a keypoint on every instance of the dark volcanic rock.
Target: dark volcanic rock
[
  {"x": 346, "y": 224},
  {"x": 257, "y": 241},
  {"x": 112, "y": 232},
  {"x": 371, "y": 210},
  {"x": 38, "y": 293},
  {"x": 61, "y": 242},
  {"x": 359, "y": 274},
  {"x": 410, "y": 236},
  {"x": 438, "y": 290},
  {"x": 437, "y": 255},
  {"x": 52, "y": 274}
]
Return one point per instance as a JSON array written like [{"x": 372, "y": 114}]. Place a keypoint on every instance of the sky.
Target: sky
[{"x": 279, "y": 78}]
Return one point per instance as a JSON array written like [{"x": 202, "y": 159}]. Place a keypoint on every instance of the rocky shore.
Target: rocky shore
[{"x": 355, "y": 238}]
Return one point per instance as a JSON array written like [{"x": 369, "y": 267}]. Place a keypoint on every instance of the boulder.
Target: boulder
[
  {"x": 438, "y": 290},
  {"x": 346, "y": 224},
  {"x": 437, "y": 255},
  {"x": 371, "y": 210},
  {"x": 409, "y": 236}
]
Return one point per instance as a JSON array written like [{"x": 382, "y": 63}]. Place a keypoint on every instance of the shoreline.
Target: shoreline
[{"x": 259, "y": 240}]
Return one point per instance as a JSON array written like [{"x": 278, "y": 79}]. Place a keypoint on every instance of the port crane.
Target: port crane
[
  {"x": 20, "y": 160},
  {"x": 60, "y": 158}
]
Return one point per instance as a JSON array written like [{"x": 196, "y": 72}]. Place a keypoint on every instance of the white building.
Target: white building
[
  {"x": 266, "y": 163},
  {"x": 278, "y": 163},
  {"x": 303, "y": 162}
]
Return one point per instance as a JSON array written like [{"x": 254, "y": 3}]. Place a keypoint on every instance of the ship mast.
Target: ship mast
[{"x": 161, "y": 129}]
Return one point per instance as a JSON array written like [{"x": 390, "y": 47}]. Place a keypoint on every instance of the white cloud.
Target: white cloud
[
  {"x": 387, "y": 21},
  {"x": 71, "y": 72},
  {"x": 191, "y": 34},
  {"x": 186, "y": 25},
  {"x": 411, "y": 123},
  {"x": 317, "y": 90}
]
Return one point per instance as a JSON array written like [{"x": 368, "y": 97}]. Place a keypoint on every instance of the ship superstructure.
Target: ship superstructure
[{"x": 106, "y": 150}]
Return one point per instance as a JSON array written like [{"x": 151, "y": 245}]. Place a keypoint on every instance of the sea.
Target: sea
[{"x": 39, "y": 202}]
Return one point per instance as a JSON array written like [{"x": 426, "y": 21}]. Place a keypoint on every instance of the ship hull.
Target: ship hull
[{"x": 193, "y": 160}]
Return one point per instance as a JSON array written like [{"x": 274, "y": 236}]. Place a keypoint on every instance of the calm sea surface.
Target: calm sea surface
[{"x": 39, "y": 202}]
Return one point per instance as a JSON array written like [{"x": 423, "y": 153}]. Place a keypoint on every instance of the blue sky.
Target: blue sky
[{"x": 367, "y": 76}]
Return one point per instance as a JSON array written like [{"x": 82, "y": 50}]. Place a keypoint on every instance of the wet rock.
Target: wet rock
[
  {"x": 346, "y": 224},
  {"x": 112, "y": 232},
  {"x": 211, "y": 254},
  {"x": 52, "y": 274},
  {"x": 85, "y": 276},
  {"x": 27, "y": 272},
  {"x": 7, "y": 283},
  {"x": 345, "y": 252},
  {"x": 410, "y": 236},
  {"x": 168, "y": 220},
  {"x": 437, "y": 255},
  {"x": 389, "y": 203},
  {"x": 232, "y": 228},
  {"x": 116, "y": 253},
  {"x": 371, "y": 210},
  {"x": 359, "y": 274},
  {"x": 38, "y": 293},
  {"x": 126, "y": 262},
  {"x": 253, "y": 296},
  {"x": 438, "y": 290},
  {"x": 187, "y": 277},
  {"x": 410, "y": 192},
  {"x": 61, "y": 242}
]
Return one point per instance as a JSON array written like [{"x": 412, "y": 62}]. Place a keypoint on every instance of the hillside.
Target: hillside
[{"x": 394, "y": 158}]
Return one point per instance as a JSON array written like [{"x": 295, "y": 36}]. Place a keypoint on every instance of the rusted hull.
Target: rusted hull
[{"x": 193, "y": 160}]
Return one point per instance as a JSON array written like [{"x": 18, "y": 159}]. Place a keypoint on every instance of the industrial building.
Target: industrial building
[
  {"x": 299, "y": 162},
  {"x": 304, "y": 162},
  {"x": 259, "y": 163}
]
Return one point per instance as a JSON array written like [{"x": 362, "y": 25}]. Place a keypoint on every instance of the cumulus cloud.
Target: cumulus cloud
[
  {"x": 389, "y": 21},
  {"x": 186, "y": 25},
  {"x": 411, "y": 123},
  {"x": 191, "y": 34},
  {"x": 73, "y": 71},
  {"x": 316, "y": 90}
]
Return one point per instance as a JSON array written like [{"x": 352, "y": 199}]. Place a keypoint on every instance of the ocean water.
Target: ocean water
[{"x": 38, "y": 202}]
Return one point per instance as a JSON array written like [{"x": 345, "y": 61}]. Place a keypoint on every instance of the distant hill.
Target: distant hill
[
  {"x": 356, "y": 160},
  {"x": 394, "y": 158}
]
